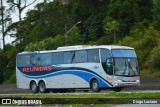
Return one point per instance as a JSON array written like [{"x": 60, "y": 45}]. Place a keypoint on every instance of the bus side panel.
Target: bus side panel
[
  {"x": 95, "y": 71},
  {"x": 22, "y": 81},
  {"x": 74, "y": 79},
  {"x": 78, "y": 76},
  {"x": 66, "y": 81}
]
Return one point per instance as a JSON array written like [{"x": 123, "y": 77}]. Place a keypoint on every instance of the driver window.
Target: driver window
[{"x": 106, "y": 61}]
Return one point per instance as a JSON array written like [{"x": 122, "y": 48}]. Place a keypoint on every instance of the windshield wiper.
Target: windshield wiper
[
  {"x": 125, "y": 69},
  {"x": 131, "y": 68}
]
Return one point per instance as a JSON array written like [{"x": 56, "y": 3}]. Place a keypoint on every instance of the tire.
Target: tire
[
  {"x": 54, "y": 90},
  {"x": 71, "y": 90},
  {"x": 86, "y": 90},
  {"x": 62, "y": 90},
  {"x": 42, "y": 87},
  {"x": 95, "y": 86},
  {"x": 34, "y": 87},
  {"x": 118, "y": 89}
]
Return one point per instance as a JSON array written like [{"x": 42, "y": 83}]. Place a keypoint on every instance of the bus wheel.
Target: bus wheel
[
  {"x": 34, "y": 87},
  {"x": 54, "y": 90},
  {"x": 95, "y": 86},
  {"x": 118, "y": 89},
  {"x": 42, "y": 87},
  {"x": 86, "y": 90},
  {"x": 71, "y": 90}
]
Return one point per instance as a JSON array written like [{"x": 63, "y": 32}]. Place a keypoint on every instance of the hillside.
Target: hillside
[{"x": 132, "y": 23}]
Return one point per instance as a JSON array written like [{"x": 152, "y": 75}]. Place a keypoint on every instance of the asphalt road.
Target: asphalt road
[{"x": 147, "y": 84}]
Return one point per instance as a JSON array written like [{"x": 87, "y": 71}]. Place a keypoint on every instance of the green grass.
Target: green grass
[{"x": 92, "y": 95}]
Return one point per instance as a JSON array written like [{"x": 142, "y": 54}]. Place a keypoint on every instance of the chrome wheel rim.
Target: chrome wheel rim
[
  {"x": 42, "y": 87},
  {"x": 95, "y": 85},
  {"x": 34, "y": 87}
]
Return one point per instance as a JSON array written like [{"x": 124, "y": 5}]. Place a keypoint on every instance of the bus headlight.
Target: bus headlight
[
  {"x": 118, "y": 81},
  {"x": 138, "y": 81}
]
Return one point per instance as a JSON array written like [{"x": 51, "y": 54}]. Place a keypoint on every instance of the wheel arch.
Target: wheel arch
[
  {"x": 94, "y": 78},
  {"x": 42, "y": 80}
]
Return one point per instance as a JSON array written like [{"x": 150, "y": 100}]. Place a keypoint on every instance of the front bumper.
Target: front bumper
[{"x": 126, "y": 84}]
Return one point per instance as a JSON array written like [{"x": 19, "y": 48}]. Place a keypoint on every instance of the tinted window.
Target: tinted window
[
  {"x": 58, "y": 58},
  {"x": 41, "y": 59},
  {"x": 23, "y": 60},
  {"x": 106, "y": 61},
  {"x": 46, "y": 59},
  {"x": 68, "y": 57},
  {"x": 105, "y": 53},
  {"x": 81, "y": 56},
  {"x": 123, "y": 53},
  {"x": 93, "y": 55}
]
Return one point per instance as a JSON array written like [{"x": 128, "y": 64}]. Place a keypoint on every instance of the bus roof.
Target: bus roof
[{"x": 80, "y": 47}]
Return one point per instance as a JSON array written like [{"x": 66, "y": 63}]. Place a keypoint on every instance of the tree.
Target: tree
[
  {"x": 46, "y": 44},
  {"x": 112, "y": 26},
  {"x": 20, "y": 5},
  {"x": 129, "y": 12},
  {"x": 1, "y": 66},
  {"x": 75, "y": 38},
  {"x": 92, "y": 14},
  {"x": 2, "y": 24},
  {"x": 156, "y": 10},
  {"x": 46, "y": 21},
  {"x": 47, "y": 1},
  {"x": 5, "y": 22}
]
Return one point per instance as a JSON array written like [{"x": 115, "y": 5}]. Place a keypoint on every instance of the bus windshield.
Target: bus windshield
[
  {"x": 125, "y": 62},
  {"x": 126, "y": 67},
  {"x": 123, "y": 53}
]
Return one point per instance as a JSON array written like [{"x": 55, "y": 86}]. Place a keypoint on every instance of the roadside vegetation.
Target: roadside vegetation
[
  {"x": 144, "y": 95},
  {"x": 132, "y": 23}
]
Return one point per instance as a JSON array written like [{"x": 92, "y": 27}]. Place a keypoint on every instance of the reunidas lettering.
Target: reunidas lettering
[{"x": 37, "y": 69}]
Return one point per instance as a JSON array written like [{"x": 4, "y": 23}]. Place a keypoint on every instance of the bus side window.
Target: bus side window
[
  {"x": 41, "y": 59},
  {"x": 45, "y": 59},
  {"x": 23, "y": 60},
  {"x": 35, "y": 60},
  {"x": 93, "y": 55},
  {"x": 103, "y": 56},
  {"x": 106, "y": 61},
  {"x": 81, "y": 56},
  {"x": 58, "y": 58},
  {"x": 68, "y": 56}
]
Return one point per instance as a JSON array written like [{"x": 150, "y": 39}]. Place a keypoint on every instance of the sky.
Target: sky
[{"x": 14, "y": 17}]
